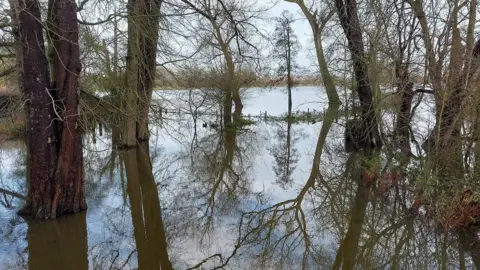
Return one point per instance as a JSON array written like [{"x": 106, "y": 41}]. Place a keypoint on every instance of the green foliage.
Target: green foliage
[{"x": 241, "y": 122}]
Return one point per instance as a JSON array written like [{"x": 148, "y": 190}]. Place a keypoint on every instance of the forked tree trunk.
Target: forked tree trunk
[
  {"x": 317, "y": 27},
  {"x": 143, "y": 27},
  {"x": 347, "y": 12},
  {"x": 444, "y": 142},
  {"x": 447, "y": 149},
  {"x": 55, "y": 163},
  {"x": 148, "y": 46}
]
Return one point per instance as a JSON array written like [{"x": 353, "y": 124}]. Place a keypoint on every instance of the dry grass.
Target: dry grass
[
  {"x": 459, "y": 215},
  {"x": 6, "y": 90},
  {"x": 12, "y": 128},
  {"x": 390, "y": 101}
]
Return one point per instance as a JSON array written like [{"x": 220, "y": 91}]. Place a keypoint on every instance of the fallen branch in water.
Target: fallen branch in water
[{"x": 14, "y": 194}]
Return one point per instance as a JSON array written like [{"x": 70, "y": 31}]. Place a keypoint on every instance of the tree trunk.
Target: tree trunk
[
  {"x": 471, "y": 243},
  {"x": 317, "y": 29},
  {"x": 227, "y": 109},
  {"x": 55, "y": 146},
  {"x": 51, "y": 35},
  {"x": 148, "y": 45},
  {"x": 39, "y": 111},
  {"x": 69, "y": 178},
  {"x": 131, "y": 76},
  {"x": 238, "y": 103},
  {"x": 476, "y": 168},
  {"x": 289, "y": 73},
  {"x": 447, "y": 150},
  {"x": 402, "y": 128},
  {"x": 347, "y": 12},
  {"x": 327, "y": 79},
  {"x": 143, "y": 27}
]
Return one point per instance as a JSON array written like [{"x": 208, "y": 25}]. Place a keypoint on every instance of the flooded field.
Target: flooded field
[{"x": 200, "y": 196}]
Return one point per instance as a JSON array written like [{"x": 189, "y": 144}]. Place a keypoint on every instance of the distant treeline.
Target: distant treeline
[{"x": 189, "y": 78}]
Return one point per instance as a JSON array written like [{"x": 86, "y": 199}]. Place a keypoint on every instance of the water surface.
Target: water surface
[{"x": 197, "y": 197}]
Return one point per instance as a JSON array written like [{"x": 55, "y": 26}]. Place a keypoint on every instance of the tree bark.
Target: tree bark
[
  {"x": 69, "y": 179},
  {"x": 148, "y": 46},
  {"x": 40, "y": 124},
  {"x": 471, "y": 243},
  {"x": 402, "y": 128},
  {"x": 143, "y": 28},
  {"x": 55, "y": 162},
  {"x": 237, "y": 100},
  {"x": 131, "y": 76},
  {"x": 227, "y": 108},
  {"x": 347, "y": 12}
]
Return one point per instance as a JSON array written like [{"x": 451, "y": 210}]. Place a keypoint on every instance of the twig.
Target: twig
[{"x": 14, "y": 194}]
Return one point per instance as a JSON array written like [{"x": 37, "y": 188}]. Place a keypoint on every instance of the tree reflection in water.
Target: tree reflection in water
[
  {"x": 148, "y": 227},
  {"x": 58, "y": 244},
  {"x": 209, "y": 203}
]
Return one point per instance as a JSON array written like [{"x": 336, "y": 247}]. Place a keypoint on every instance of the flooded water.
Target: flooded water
[{"x": 198, "y": 197}]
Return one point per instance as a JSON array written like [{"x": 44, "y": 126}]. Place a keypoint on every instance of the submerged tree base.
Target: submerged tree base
[{"x": 40, "y": 213}]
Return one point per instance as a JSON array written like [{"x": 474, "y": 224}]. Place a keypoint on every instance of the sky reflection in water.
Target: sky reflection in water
[{"x": 226, "y": 198}]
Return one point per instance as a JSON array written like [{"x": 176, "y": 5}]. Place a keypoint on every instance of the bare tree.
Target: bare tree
[
  {"x": 347, "y": 12},
  {"x": 318, "y": 18},
  {"x": 227, "y": 28},
  {"x": 143, "y": 28}
]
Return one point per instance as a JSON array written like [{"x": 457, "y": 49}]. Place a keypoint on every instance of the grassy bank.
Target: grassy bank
[{"x": 12, "y": 128}]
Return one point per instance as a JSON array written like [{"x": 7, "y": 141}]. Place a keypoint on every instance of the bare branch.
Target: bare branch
[{"x": 14, "y": 194}]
